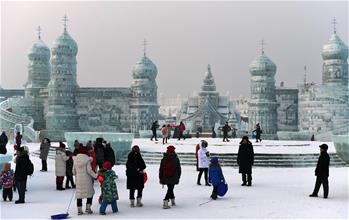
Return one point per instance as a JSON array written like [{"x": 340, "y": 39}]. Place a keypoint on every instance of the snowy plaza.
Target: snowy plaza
[{"x": 275, "y": 193}]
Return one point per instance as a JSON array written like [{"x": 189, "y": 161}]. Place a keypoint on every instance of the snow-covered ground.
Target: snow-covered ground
[
  {"x": 216, "y": 145},
  {"x": 276, "y": 193}
]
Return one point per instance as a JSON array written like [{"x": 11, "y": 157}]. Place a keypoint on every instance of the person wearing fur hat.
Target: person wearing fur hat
[
  {"x": 169, "y": 174},
  {"x": 215, "y": 176},
  {"x": 60, "y": 166},
  {"x": 84, "y": 176},
  {"x": 203, "y": 162},
  {"x": 245, "y": 159},
  {"x": 135, "y": 167},
  {"x": 22, "y": 162},
  {"x": 322, "y": 172},
  {"x": 7, "y": 179},
  {"x": 108, "y": 189}
]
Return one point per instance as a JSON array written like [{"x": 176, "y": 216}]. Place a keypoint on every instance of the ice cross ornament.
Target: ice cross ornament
[
  {"x": 145, "y": 43},
  {"x": 334, "y": 22},
  {"x": 65, "y": 20},
  {"x": 262, "y": 43}
]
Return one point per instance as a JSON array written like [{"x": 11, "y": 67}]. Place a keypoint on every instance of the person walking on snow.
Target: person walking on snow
[
  {"x": 164, "y": 132},
  {"x": 322, "y": 172},
  {"x": 44, "y": 149},
  {"x": 226, "y": 128},
  {"x": 169, "y": 174},
  {"x": 181, "y": 129},
  {"x": 135, "y": 167},
  {"x": 204, "y": 161},
  {"x": 108, "y": 188},
  {"x": 153, "y": 128},
  {"x": 245, "y": 160},
  {"x": 60, "y": 166},
  {"x": 258, "y": 132},
  {"x": 215, "y": 176},
  {"x": 84, "y": 177}
]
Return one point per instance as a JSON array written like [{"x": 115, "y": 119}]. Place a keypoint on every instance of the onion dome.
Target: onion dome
[
  {"x": 39, "y": 50},
  {"x": 145, "y": 68},
  {"x": 335, "y": 49},
  {"x": 262, "y": 65},
  {"x": 65, "y": 45}
]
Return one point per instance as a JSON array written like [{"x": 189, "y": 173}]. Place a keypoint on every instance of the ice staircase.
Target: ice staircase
[
  {"x": 260, "y": 160},
  {"x": 9, "y": 119}
]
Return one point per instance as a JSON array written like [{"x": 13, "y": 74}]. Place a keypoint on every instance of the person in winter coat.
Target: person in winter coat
[
  {"x": 99, "y": 149},
  {"x": 181, "y": 129},
  {"x": 22, "y": 163},
  {"x": 213, "y": 135},
  {"x": 204, "y": 161},
  {"x": 245, "y": 160},
  {"x": 60, "y": 166},
  {"x": 69, "y": 170},
  {"x": 91, "y": 153},
  {"x": 169, "y": 174},
  {"x": 322, "y": 172},
  {"x": 108, "y": 188},
  {"x": 84, "y": 177},
  {"x": 7, "y": 179},
  {"x": 3, "y": 143},
  {"x": 109, "y": 154},
  {"x": 18, "y": 139},
  {"x": 168, "y": 131},
  {"x": 226, "y": 128},
  {"x": 215, "y": 176},
  {"x": 44, "y": 149},
  {"x": 258, "y": 131},
  {"x": 164, "y": 132},
  {"x": 153, "y": 128},
  {"x": 76, "y": 147},
  {"x": 135, "y": 167}
]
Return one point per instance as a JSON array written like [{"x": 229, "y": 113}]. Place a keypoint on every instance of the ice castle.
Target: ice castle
[{"x": 53, "y": 103}]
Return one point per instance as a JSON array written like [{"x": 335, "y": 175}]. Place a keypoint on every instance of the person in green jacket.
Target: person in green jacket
[{"x": 109, "y": 190}]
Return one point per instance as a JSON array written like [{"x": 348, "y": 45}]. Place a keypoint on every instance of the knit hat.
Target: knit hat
[
  {"x": 107, "y": 165},
  {"x": 61, "y": 145},
  {"x": 83, "y": 150},
  {"x": 171, "y": 149},
  {"x": 324, "y": 146},
  {"x": 135, "y": 148},
  {"x": 245, "y": 138}
]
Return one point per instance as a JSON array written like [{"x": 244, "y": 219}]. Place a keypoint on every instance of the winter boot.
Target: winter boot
[
  {"x": 80, "y": 211},
  {"x": 214, "y": 196},
  {"x": 132, "y": 203},
  {"x": 60, "y": 186},
  {"x": 173, "y": 202},
  {"x": 88, "y": 209},
  {"x": 165, "y": 205},
  {"x": 57, "y": 185},
  {"x": 139, "y": 202}
]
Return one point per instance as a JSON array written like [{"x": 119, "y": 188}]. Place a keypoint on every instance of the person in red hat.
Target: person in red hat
[
  {"x": 60, "y": 166},
  {"x": 169, "y": 174}
]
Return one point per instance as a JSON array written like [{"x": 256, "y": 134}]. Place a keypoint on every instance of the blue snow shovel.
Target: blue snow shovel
[{"x": 64, "y": 215}]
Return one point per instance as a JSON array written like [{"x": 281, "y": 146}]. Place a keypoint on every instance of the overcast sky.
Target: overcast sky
[{"x": 183, "y": 38}]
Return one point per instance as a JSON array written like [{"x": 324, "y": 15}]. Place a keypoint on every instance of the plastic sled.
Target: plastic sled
[
  {"x": 60, "y": 216},
  {"x": 222, "y": 189}
]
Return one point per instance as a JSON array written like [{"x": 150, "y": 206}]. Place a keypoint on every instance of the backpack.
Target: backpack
[
  {"x": 30, "y": 168},
  {"x": 169, "y": 168}
]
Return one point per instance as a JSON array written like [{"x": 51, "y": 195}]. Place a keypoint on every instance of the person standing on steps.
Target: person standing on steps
[
  {"x": 322, "y": 172},
  {"x": 135, "y": 167},
  {"x": 153, "y": 128},
  {"x": 258, "y": 131},
  {"x": 226, "y": 128},
  {"x": 204, "y": 162},
  {"x": 245, "y": 160},
  {"x": 44, "y": 149},
  {"x": 181, "y": 129},
  {"x": 169, "y": 174}
]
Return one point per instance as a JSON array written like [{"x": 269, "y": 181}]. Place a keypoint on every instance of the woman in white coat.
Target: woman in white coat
[
  {"x": 84, "y": 176},
  {"x": 203, "y": 162},
  {"x": 60, "y": 166}
]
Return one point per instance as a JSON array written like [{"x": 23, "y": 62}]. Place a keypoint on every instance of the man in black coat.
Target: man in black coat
[
  {"x": 322, "y": 172},
  {"x": 109, "y": 154},
  {"x": 3, "y": 143},
  {"x": 258, "y": 131},
  {"x": 245, "y": 160},
  {"x": 22, "y": 162},
  {"x": 226, "y": 128},
  {"x": 154, "y": 127},
  {"x": 99, "y": 149}
]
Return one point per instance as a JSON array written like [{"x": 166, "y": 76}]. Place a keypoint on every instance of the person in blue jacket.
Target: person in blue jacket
[{"x": 215, "y": 176}]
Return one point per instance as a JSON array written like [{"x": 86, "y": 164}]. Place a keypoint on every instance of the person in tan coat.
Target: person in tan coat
[
  {"x": 84, "y": 176},
  {"x": 60, "y": 166}
]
